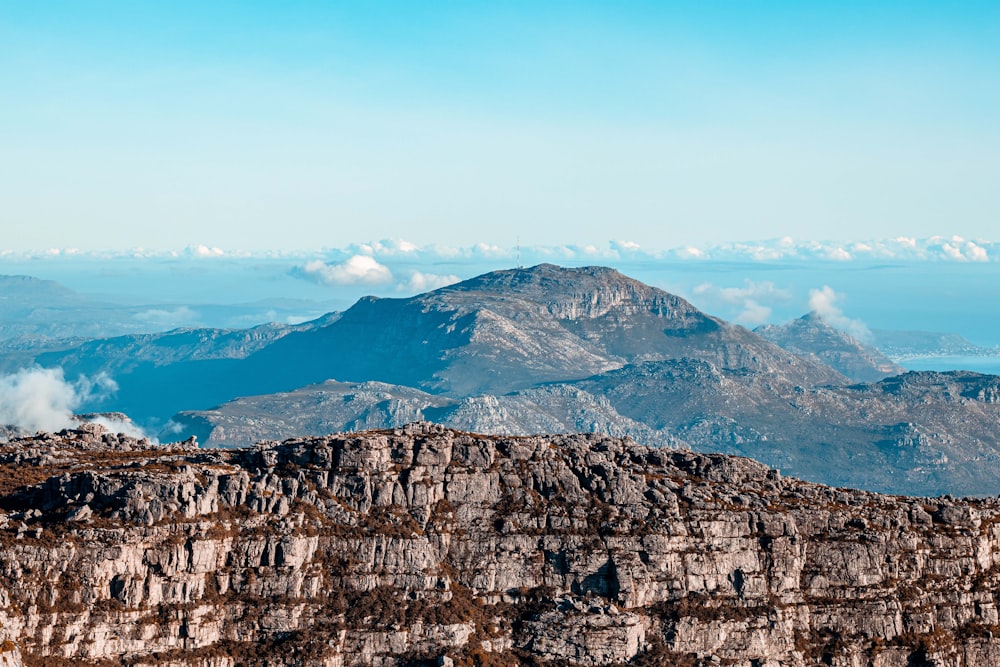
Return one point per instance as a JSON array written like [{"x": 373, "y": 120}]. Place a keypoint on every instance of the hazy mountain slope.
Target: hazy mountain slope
[
  {"x": 35, "y": 312},
  {"x": 810, "y": 336},
  {"x": 123, "y": 354}
]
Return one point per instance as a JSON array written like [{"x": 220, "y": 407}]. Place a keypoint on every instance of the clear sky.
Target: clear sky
[{"x": 295, "y": 125}]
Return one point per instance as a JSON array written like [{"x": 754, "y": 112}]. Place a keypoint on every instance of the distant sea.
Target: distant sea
[{"x": 979, "y": 364}]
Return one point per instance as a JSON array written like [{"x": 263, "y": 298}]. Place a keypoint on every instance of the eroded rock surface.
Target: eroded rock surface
[{"x": 423, "y": 545}]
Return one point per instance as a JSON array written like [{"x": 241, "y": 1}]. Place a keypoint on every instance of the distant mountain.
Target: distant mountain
[
  {"x": 510, "y": 330},
  {"x": 810, "y": 336},
  {"x": 550, "y": 349},
  {"x": 123, "y": 354},
  {"x": 41, "y": 317},
  {"x": 495, "y": 334},
  {"x": 901, "y": 345},
  {"x": 36, "y": 313}
]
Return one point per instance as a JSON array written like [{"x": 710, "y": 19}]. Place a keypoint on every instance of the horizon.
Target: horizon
[{"x": 935, "y": 285}]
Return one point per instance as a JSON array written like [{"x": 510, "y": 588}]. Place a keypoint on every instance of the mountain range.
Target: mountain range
[{"x": 549, "y": 349}]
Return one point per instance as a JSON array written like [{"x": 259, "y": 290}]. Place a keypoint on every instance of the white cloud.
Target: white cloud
[
  {"x": 204, "y": 251},
  {"x": 753, "y": 314},
  {"x": 126, "y": 427},
  {"x": 41, "y": 399},
  {"x": 488, "y": 250},
  {"x": 625, "y": 246},
  {"x": 358, "y": 270},
  {"x": 752, "y": 299},
  {"x": 690, "y": 252},
  {"x": 425, "y": 282},
  {"x": 178, "y": 317},
  {"x": 976, "y": 253},
  {"x": 823, "y": 302}
]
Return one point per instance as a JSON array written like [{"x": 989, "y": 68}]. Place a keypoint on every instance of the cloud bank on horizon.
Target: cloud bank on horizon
[{"x": 355, "y": 264}]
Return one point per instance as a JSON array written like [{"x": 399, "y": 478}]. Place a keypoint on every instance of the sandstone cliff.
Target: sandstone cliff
[{"x": 424, "y": 545}]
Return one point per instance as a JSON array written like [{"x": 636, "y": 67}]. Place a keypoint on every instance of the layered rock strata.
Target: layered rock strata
[{"x": 424, "y": 545}]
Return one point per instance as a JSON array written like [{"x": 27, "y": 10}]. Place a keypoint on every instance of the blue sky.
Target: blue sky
[{"x": 299, "y": 125}]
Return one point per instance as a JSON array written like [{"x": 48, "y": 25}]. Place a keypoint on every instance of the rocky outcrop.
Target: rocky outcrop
[
  {"x": 423, "y": 545},
  {"x": 918, "y": 433}
]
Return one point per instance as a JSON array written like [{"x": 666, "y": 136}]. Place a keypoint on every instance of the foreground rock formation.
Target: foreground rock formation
[{"x": 424, "y": 545}]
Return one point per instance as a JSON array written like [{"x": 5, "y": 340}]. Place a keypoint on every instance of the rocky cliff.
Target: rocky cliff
[{"x": 423, "y": 545}]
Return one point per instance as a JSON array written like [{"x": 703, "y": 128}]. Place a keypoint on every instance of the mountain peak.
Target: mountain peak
[{"x": 813, "y": 337}]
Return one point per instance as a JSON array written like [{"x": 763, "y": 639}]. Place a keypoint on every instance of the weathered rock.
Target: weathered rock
[{"x": 423, "y": 544}]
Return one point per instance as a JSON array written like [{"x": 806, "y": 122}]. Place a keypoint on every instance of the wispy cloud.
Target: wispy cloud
[
  {"x": 424, "y": 282},
  {"x": 823, "y": 302},
  {"x": 754, "y": 299},
  {"x": 163, "y": 317}
]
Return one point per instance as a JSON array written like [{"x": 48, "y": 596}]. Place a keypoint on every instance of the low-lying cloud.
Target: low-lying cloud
[
  {"x": 357, "y": 270},
  {"x": 823, "y": 302},
  {"x": 164, "y": 317},
  {"x": 425, "y": 282},
  {"x": 41, "y": 399}
]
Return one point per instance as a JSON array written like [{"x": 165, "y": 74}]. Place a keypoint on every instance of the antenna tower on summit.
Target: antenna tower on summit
[{"x": 519, "y": 252}]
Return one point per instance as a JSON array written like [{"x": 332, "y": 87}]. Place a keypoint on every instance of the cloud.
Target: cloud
[
  {"x": 178, "y": 317},
  {"x": 424, "y": 282},
  {"x": 961, "y": 250},
  {"x": 625, "y": 246},
  {"x": 823, "y": 302},
  {"x": 126, "y": 427},
  {"x": 690, "y": 252},
  {"x": 386, "y": 247},
  {"x": 41, "y": 399},
  {"x": 204, "y": 251},
  {"x": 752, "y": 299},
  {"x": 358, "y": 270}
]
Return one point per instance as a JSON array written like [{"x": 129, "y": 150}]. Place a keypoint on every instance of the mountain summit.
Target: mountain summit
[{"x": 812, "y": 337}]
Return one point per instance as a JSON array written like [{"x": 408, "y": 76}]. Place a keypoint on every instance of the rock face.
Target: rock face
[{"x": 423, "y": 545}]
